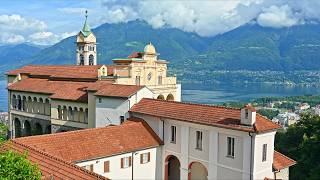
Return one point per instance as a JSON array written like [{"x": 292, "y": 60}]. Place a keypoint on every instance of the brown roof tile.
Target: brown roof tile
[
  {"x": 50, "y": 166},
  {"x": 202, "y": 114},
  {"x": 113, "y": 90},
  {"x": 281, "y": 161},
  {"x": 73, "y": 91},
  {"x": 66, "y": 90},
  {"x": 62, "y": 71},
  {"x": 88, "y": 144}
]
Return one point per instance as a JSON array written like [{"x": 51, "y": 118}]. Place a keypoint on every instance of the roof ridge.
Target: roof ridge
[
  {"x": 191, "y": 103},
  {"x": 58, "y": 159},
  {"x": 74, "y": 132},
  {"x": 284, "y": 156},
  {"x": 67, "y": 132},
  {"x": 146, "y": 125}
]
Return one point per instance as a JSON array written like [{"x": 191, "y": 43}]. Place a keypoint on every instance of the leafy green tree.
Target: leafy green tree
[
  {"x": 3, "y": 132},
  {"x": 14, "y": 165},
  {"x": 269, "y": 113},
  {"x": 302, "y": 142}
]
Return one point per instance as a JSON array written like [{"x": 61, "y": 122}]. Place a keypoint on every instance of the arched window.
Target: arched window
[
  {"x": 81, "y": 59},
  {"x": 91, "y": 59}
]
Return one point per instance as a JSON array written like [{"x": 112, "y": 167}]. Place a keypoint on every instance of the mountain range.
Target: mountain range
[{"x": 249, "y": 47}]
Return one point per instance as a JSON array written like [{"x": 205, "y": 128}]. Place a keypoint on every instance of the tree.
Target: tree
[
  {"x": 3, "y": 132},
  {"x": 14, "y": 165},
  {"x": 269, "y": 113},
  {"x": 302, "y": 142}
]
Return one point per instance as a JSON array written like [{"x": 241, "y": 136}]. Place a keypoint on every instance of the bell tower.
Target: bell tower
[{"x": 86, "y": 51}]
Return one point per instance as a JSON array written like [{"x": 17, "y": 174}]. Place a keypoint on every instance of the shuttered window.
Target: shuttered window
[
  {"x": 199, "y": 140},
  {"x": 230, "y": 142},
  {"x": 107, "y": 166},
  {"x": 264, "y": 152},
  {"x": 145, "y": 158},
  {"x": 126, "y": 162}
]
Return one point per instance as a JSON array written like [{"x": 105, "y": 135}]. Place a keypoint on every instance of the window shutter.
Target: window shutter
[
  {"x": 141, "y": 158},
  {"x": 91, "y": 167},
  {"x": 148, "y": 156},
  {"x": 130, "y": 161},
  {"x": 106, "y": 166},
  {"x": 121, "y": 162}
]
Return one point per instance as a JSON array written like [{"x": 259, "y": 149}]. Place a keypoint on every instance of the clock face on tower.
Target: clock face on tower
[{"x": 149, "y": 76}]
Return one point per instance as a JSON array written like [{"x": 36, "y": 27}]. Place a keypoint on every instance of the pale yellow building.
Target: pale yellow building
[{"x": 146, "y": 69}]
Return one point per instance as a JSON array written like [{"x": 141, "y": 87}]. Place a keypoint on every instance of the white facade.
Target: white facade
[
  {"x": 141, "y": 170},
  {"x": 213, "y": 156},
  {"x": 110, "y": 110}
]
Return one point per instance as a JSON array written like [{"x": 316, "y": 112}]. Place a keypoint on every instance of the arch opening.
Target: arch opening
[
  {"x": 17, "y": 128},
  {"x": 91, "y": 59},
  {"x": 81, "y": 59},
  {"x": 37, "y": 129},
  {"x": 197, "y": 171},
  {"x": 170, "y": 97},
  {"x": 27, "y": 128},
  {"x": 160, "y": 97},
  {"x": 172, "y": 169},
  {"x": 48, "y": 129}
]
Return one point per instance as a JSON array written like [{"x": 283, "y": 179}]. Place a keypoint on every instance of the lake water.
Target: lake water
[{"x": 217, "y": 94}]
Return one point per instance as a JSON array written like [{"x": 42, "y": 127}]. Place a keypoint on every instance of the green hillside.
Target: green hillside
[{"x": 250, "y": 48}]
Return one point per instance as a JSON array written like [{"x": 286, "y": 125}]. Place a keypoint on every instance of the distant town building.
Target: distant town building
[
  {"x": 286, "y": 119},
  {"x": 317, "y": 110},
  {"x": 302, "y": 106}
]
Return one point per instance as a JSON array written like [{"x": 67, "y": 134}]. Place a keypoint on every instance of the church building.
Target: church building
[{"x": 126, "y": 121}]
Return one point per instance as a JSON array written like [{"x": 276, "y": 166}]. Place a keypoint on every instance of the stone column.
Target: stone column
[
  {"x": 213, "y": 155},
  {"x": 184, "y": 164}
]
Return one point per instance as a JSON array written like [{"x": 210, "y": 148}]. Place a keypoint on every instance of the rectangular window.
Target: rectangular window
[
  {"x": 230, "y": 142},
  {"x": 199, "y": 140},
  {"x": 121, "y": 119},
  {"x": 137, "y": 80},
  {"x": 264, "y": 152},
  {"x": 126, "y": 162},
  {"x": 144, "y": 158},
  {"x": 89, "y": 167},
  {"x": 100, "y": 100},
  {"x": 173, "y": 134},
  {"x": 159, "y": 80},
  {"x": 106, "y": 166},
  {"x": 246, "y": 113}
]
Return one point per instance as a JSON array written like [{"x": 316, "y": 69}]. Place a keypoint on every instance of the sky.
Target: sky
[{"x": 46, "y": 22}]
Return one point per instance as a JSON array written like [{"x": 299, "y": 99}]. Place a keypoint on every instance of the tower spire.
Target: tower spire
[{"x": 86, "y": 28}]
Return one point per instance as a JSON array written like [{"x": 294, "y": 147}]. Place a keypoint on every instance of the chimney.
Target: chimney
[{"x": 248, "y": 115}]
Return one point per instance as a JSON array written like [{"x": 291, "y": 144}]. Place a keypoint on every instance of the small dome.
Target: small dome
[{"x": 150, "y": 49}]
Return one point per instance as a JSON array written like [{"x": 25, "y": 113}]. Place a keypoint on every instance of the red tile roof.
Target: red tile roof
[
  {"x": 136, "y": 55},
  {"x": 87, "y": 144},
  {"x": 281, "y": 161},
  {"x": 202, "y": 114},
  {"x": 106, "y": 89},
  {"x": 50, "y": 166},
  {"x": 66, "y": 90},
  {"x": 73, "y": 91},
  {"x": 62, "y": 71}
]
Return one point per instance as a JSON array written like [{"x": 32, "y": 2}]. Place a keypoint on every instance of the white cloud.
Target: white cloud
[
  {"x": 277, "y": 17},
  {"x": 15, "y": 22},
  {"x": 209, "y": 18},
  {"x": 74, "y": 10},
  {"x": 11, "y": 38},
  {"x": 17, "y": 29}
]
